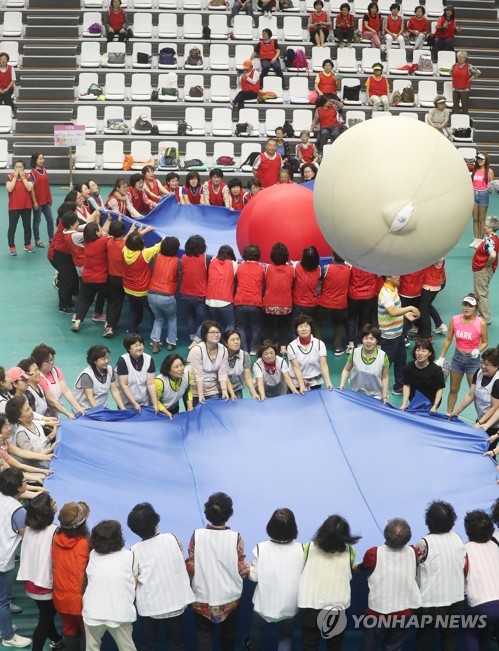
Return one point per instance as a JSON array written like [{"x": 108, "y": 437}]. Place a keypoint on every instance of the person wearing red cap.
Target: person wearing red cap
[{"x": 248, "y": 82}]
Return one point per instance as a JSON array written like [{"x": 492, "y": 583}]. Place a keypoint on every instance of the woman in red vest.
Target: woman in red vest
[
  {"x": 60, "y": 258},
  {"x": 236, "y": 194},
  {"x": 394, "y": 27},
  {"x": 319, "y": 24},
  {"x": 445, "y": 33},
  {"x": 248, "y": 301},
  {"x": 326, "y": 82},
  {"x": 332, "y": 305},
  {"x": 116, "y": 268},
  {"x": 94, "y": 274},
  {"x": 325, "y": 122},
  {"x": 220, "y": 287},
  {"x": 7, "y": 82},
  {"x": 43, "y": 198},
  {"x": 193, "y": 284},
  {"x": 278, "y": 297},
  {"x": 152, "y": 187},
  {"x": 378, "y": 90},
  {"x": 19, "y": 188},
  {"x": 249, "y": 82},
  {"x": 266, "y": 167},
  {"x": 418, "y": 27},
  {"x": 371, "y": 25},
  {"x": 462, "y": 74},
  {"x": 116, "y": 22},
  {"x": 344, "y": 26},
  {"x": 191, "y": 194},
  {"x": 137, "y": 196},
  {"x": 119, "y": 201},
  {"x": 267, "y": 50},
  {"x": 362, "y": 304},
  {"x": 215, "y": 191},
  {"x": 161, "y": 294},
  {"x": 305, "y": 287},
  {"x": 172, "y": 186}
]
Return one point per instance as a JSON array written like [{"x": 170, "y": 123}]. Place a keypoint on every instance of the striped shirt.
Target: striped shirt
[{"x": 390, "y": 326}]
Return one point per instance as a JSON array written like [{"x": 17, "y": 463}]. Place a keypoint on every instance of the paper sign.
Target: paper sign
[{"x": 69, "y": 135}]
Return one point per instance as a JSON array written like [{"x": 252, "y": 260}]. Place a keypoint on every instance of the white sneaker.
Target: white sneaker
[
  {"x": 441, "y": 330},
  {"x": 349, "y": 348},
  {"x": 18, "y": 641}
]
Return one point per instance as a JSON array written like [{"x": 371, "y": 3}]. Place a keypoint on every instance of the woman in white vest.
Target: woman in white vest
[
  {"x": 28, "y": 432},
  {"x": 368, "y": 366},
  {"x": 276, "y": 569},
  {"x": 393, "y": 588},
  {"x": 271, "y": 372},
  {"x": 108, "y": 601},
  {"x": 482, "y": 578},
  {"x": 217, "y": 568},
  {"x": 440, "y": 575},
  {"x": 12, "y": 527},
  {"x": 239, "y": 365},
  {"x": 173, "y": 384},
  {"x": 325, "y": 580},
  {"x": 163, "y": 587},
  {"x": 135, "y": 371},
  {"x": 94, "y": 384},
  {"x": 308, "y": 357},
  {"x": 208, "y": 364},
  {"x": 36, "y": 568}
]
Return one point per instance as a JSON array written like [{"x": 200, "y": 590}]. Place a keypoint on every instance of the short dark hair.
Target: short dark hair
[
  {"x": 334, "y": 535},
  {"x": 11, "y": 481},
  {"x": 216, "y": 171},
  {"x": 478, "y": 526},
  {"x": 143, "y": 520},
  {"x": 226, "y": 252},
  {"x": 327, "y": 61},
  {"x": 282, "y": 526},
  {"x": 147, "y": 168},
  {"x": 254, "y": 181},
  {"x": 279, "y": 253},
  {"x": 80, "y": 532},
  {"x": 218, "y": 509},
  {"x": 13, "y": 408},
  {"x": 322, "y": 101},
  {"x": 425, "y": 344},
  {"x": 26, "y": 364},
  {"x": 345, "y": 4},
  {"x": 310, "y": 166},
  {"x": 135, "y": 242},
  {"x": 117, "y": 228},
  {"x": 369, "y": 329},
  {"x": 167, "y": 363},
  {"x": 235, "y": 183},
  {"x": 420, "y": 7},
  {"x": 263, "y": 345},
  {"x": 169, "y": 246},
  {"x": 495, "y": 512},
  {"x": 170, "y": 176},
  {"x": 132, "y": 338},
  {"x": 267, "y": 31},
  {"x": 134, "y": 179},
  {"x": 66, "y": 206},
  {"x": 41, "y": 353},
  {"x": 96, "y": 352},
  {"x": 192, "y": 175},
  {"x": 394, "y": 5},
  {"x": 107, "y": 537},
  {"x": 68, "y": 219},
  {"x": 39, "y": 512},
  {"x": 35, "y": 154},
  {"x": 301, "y": 319},
  {"x": 397, "y": 533},
  {"x": 310, "y": 258},
  {"x": 440, "y": 517},
  {"x": 371, "y": 5},
  {"x": 206, "y": 325},
  {"x": 491, "y": 355},
  {"x": 252, "y": 252},
  {"x": 195, "y": 245},
  {"x": 91, "y": 232}
]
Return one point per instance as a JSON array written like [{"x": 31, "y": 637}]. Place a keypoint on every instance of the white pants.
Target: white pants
[
  {"x": 400, "y": 40},
  {"x": 121, "y": 634},
  {"x": 380, "y": 103}
]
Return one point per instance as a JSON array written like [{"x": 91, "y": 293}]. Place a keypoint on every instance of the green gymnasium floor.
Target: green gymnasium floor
[{"x": 29, "y": 315}]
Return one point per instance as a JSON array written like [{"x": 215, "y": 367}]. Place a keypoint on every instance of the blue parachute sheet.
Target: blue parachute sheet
[{"x": 318, "y": 454}]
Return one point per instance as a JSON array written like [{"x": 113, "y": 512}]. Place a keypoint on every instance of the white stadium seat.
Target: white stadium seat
[
  {"x": 274, "y": 118},
  {"x": 115, "y": 86},
  {"x": 85, "y": 80},
  {"x": 85, "y": 156},
  {"x": 12, "y": 23},
  {"x": 141, "y": 153},
  {"x": 193, "y": 26},
  {"x": 218, "y": 25},
  {"x": 141, "y": 48},
  {"x": 219, "y": 56},
  {"x": 5, "y": 119},
  {"x": 167, "y": 25},
  {"x": 221, "y": 122},
  {"x": 118, "y": 48},
  {"x": 142, "y": 25},
  {"x": 90, "y": 54},
  {"x": 195, "y": 116},
  {"x": 87, "y": 115},
  {"x": 112, "y": 155}
]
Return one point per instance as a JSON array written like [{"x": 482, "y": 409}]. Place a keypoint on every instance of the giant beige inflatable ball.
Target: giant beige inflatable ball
[{"x": 392, "y": 195}]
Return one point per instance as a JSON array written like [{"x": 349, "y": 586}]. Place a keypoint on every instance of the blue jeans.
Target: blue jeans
[
  {"x": 5, "y": 591},
  {"x": 164, "y": 309},
  {"x": 464, "y": 363},
  {"x": 395, "y": 350},
  {"x": 249, "y": 319},
  {"x": 267, "y": 66},
  {"x": 46, "y": 209},
  {"x": 224, "y": 315},
  {"x": 195, "y": 312}
]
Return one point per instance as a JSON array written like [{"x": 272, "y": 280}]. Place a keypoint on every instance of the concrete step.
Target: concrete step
[
  {"x": 34, "y": 49},
  {"x": 52, "y": 4},
  {"x": 51, "y": 31},
  {"x": 49, "y": 82},
  {"x": 49, "y": 62},
  {"x": 41, "y": 94},
  {"x": 37, "y": 114},
  {"x": 38, "y": 126},
  {"x": 54, "y": 156}
]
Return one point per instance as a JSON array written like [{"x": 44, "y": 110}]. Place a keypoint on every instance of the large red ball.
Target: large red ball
[{"x": 281, "y": 213}]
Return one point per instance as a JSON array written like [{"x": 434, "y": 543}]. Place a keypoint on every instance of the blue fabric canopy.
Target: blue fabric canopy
[{"x": 318, "y": 454}]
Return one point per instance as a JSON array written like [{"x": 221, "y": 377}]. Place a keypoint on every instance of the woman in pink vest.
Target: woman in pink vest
[
  {"x": 471, "y": 336},
  {"x": 325, "y": 122},
  {"x": 7, "y": 82},
  {"x": 161, "y": 294},
  {"x": 43, "y": 198},
  {"x": 462, "y": 74},
  {"x": 19, "y": 188},
  {"x": 278, "y": 296},
  {"x": 248, "y": 299},
  {"x": 481, "y": 176},
  {"x": 116, "y": 22},
  {"x": 220, "y": 288}
]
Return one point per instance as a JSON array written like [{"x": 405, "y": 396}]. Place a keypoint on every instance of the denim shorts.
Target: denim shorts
[
  {"x": 481, "y": 198},
  {"x": 464, "y": 363}
]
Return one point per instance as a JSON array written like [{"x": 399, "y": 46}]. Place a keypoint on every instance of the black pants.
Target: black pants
[
  {"x": 25, "y": 215},
  {"x": 8, "y": 100},
  {"x": 228, "y": 630},
  {"x": 280, "y": 322},
  {"x": 136, "y": 305},
  {"x": 344, "y": 36},
  {"x": 427, "y": 298},
  {"x": 325, "y": 134},
  {"x": 397, "y": 355},
  {"x": 68, "y": 278},
  {"x": 439, "y": 44},
  {"x": 405, "y": 301},
  {"x": 115, "y": 300},
  {"x": 45, "y": 629},
  {"x": 249, "y": 325},
  {"x": 88, "y": 292},
  {"x": 427, "y": 630},
  {"x": 311, "y": 633},
  {"x": 243, "y": 95},
  {"x": 121, "y": 36},
  {"x": 361, "y": 312},
  {"x": 173, "y": 630},
  {"x": 336, "y": 317}
]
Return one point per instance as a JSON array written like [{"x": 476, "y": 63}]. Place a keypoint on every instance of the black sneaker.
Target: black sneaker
[
  {"x": 396, "y": 391},
  {"x": 66, "y": 310},
  {"x": 60, "y": 644}
]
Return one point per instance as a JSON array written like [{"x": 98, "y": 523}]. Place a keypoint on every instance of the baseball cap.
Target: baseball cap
[
  {"x": 471, "y": 300},
  {"x": 16, "y": 373},
  {"x": 481, "y": 156},
  {"x": 73, "y": 514},
  {"x": 438, "y": 99},
  {"x": 247, "y": 64},
  {"x": 378, "y": 66}
]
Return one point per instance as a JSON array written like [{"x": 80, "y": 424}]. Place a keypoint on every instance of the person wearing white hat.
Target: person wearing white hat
[
  {"x": 378, "y": 90},
  {"x": 439, "y": 117}
]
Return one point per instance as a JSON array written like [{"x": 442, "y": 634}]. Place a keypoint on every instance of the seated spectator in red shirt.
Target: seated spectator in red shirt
[{"x": 137, "y": 196}]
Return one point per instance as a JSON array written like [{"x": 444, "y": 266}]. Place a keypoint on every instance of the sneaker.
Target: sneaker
[
  {"x": 12, "y": 250},
  {"x": 488, "y": 323},
  {"x": 170, "y": 346},
  {"x": 40, "y": 244},
  {"x": 15, "y": 609},
  {"x": 18, "y": 641},
  {"x": 252, "y": 352},
  {"x": 475, "y": 243},
  {"x": 76, "y": 326},
  {"x": 155, "y": 347},
  {"x": 73, "y": 318},
  {"x": 99, "y": 317},
  {"x": 108, "y": 332},
  {"x": 441, "y": 330},
  {"x": 29, "y": 249},
  {"x": 60, "y": 644},
  {"x": 56, "y": 280},
  {"x": 349, "y": 348},
  {"x": 350, "y": 45},
  {"x": 396, "y": 391},
  {"x": 342, "y": 45},
  {"x": 412, "y": 332},
  {"x": 338, "y": 351},
  {"x": 66, "y": 310},
  {"x": 407, "y": 343}
]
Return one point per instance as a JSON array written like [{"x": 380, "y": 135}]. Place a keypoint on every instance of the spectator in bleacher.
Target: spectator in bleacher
[
  {"x": 282, "y": 147},
  {"x": 152, "y": 187},
  {"x": 236, "y": 194},
  {"x": 328, "y": 82},
  {"x": 481, "y": 176},
  {"x": 266, "y": 167},
  {"x": 42, "y": 199},
  {"x": 191, "y": 193},
  {"x": 393, "y": 26},
  {"x": 325, "y": 122},
  {"x": 285, "y": 175},
  {"x": 119, "y": 201},
  {"x": 19, "y": 189},
  {"x": 445, "y": 33},
  {"x": 268, "y": 51},
  {"x": 344, "y": 25},
  {"x": 308, "y": 172},
  {"x": 306, "y": 151},
  {"x": 371, "y": 25},
  {"x": 484, "y": 265},
  {"x": 462, "y": 74},
  {"x": 319, "y": 24},
  {"x": 115, "y": 21},
  {"x": 241, "y": 5},
  {"x": 137, "y": 195},
  {"x": 418, "y": 26},
  {"x": 249, "y": 83},
  {"x": 215, "y": 191},
  {"x": 95, "y": 201},
  {"x": 439, "y": 117},
  {"x": 7, "y": 82},
  {"x": 266, "y": 6},
  {"x": 172, "y": 185},
  {"x": 378, "y": 89},
  {"x": 254, "y": 186}
]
